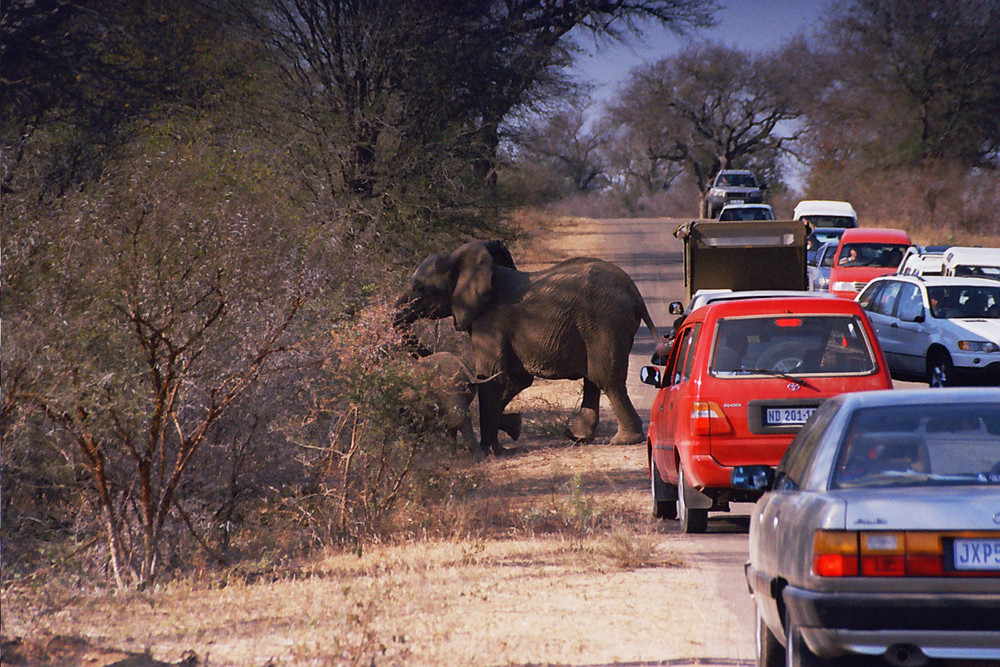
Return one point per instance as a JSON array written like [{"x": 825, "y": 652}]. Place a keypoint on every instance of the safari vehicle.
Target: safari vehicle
[
  {"x": 865, "y": 253},
  {"x": 918, "y": 261},
  {"x": 732, "y": 186},
  {"x": 976, "y": 262},
  {"x": 746, "y": 212},
  {"x": 937, "y": 329},
  {"x": 765, "y": 255},
  {"x": 741, "y": 379},
  {"x": 826, "y": 213}
]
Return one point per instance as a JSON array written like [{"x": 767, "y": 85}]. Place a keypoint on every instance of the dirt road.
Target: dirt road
[{"x": 647, "y": 250}]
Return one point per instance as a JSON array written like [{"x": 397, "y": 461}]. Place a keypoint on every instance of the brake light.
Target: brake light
[
  {"x": 707, "y": 418},
  {"x": 835, "y": 553},
  {"x": 844, "y": 553},
  {"x": 883, "y": 554}
]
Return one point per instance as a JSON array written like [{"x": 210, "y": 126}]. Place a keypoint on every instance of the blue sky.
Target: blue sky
[{"x": 752, "y": 25}]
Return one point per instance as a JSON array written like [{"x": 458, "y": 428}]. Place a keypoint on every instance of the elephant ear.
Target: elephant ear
[
  {"x": 501, "y": 254},
  {"x": 472, "y": 280}
]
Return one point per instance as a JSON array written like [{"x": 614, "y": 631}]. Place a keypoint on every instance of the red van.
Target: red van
[
  {"x": 865, "y": 253},
  {"x": 742, "y": 378}
]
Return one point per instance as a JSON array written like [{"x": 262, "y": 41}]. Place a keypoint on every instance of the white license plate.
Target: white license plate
[
  {"x": 786, "y": 416},
  {"x": 736, "y": 201},
  {"x": 981, "y": 554}
]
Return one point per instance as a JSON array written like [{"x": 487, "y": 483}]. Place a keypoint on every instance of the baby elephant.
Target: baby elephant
[{"x": 453, "y": 387}]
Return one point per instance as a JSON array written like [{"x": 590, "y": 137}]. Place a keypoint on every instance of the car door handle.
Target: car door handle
[{"x": 894, "y": 325}]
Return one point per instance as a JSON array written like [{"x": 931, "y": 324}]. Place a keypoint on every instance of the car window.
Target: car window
[
  {"x": 885, "y": 302},
  {"x": 795, "y": 462},
  {"x": 770, "y": 345},
  {"x": 870, "y": 294},
  {"x": 689, "y": 357},
  {"x": 882, "y": 255},
  {"x": 676, "y": 370},
  {"x": 911, "y": 303},
  {"x": 828, "y": 256},
  {"x": 942, "y": 444},
  {"x": 956, "y": 301}
]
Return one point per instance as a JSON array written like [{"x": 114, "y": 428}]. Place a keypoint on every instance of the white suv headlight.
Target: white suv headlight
[
  {"x": 977, "y": 346},
  {"x": 841, "y": 286}
]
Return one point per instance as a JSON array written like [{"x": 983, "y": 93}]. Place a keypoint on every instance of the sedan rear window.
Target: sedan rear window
[
  {"x": 774, "y": 345},
  {"x": 936, "y": 445}
]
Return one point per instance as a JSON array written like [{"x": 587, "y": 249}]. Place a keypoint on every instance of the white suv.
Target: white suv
[{"x": 941, "y": 330}]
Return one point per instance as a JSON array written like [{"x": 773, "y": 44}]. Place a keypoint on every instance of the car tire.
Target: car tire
[
  {"x": 693, "y": 520},
  {"x": 940, "y": 370},
  {"x": 769, "y": 651},
  {"x": 662, "y": 509},
  {"x": 797, "y": 654}
]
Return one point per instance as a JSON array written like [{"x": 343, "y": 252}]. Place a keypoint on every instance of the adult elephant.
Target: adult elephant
[{"x": 574, "y": 320}]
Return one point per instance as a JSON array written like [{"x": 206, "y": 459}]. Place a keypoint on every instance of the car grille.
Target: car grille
[{"x": 859, "y": 286}]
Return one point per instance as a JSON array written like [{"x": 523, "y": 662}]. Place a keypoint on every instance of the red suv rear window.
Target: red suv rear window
[{"x": 803, "y": 345}]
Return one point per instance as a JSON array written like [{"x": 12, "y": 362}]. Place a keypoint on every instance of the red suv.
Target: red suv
[
  {"x": 742, "y": 378},
  {"x": 866, "y": 253}
]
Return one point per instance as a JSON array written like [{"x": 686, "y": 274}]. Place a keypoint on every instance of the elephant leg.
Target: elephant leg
[
  {"x": 470, "y": 436},
  {"x": 584, "y": 426},
  {"x": 629, "y": 424},
  {"x": 490, "y": 408},
  {"x": 493, "y": 399},
  {"x": 510, "y": 423}
]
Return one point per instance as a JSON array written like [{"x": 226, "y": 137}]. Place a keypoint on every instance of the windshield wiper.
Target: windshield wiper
[{"x": 776, "y": 373}]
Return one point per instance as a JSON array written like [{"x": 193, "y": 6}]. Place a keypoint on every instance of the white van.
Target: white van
[
  {"x": 826, "y": 213},
  {"x": 978, "y": 262},
  {"x": 919, "y": 262}
]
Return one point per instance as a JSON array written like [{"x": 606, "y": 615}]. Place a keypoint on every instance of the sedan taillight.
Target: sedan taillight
[{"x": 844, "y": 553}]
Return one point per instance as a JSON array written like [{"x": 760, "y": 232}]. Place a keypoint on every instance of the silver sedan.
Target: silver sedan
[{"x": 879, "y": 535}]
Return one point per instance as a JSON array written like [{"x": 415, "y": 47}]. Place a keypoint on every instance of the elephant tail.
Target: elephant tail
[{"x": 648, "y": 321}]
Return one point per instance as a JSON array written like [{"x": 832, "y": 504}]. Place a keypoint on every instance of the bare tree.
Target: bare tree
[
  {"x": 390, "y": 91},
  {"x": 900, "y": 82},
  {"x": 570, "y": 148},
  {"x": 708, "y": 108}
]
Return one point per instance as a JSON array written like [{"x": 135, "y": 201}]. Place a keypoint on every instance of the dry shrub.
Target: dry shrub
[{"x": 628, "y": 549}]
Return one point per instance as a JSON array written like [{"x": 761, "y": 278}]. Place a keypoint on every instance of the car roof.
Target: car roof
[
  {"x": 705, "y": 297},
  {"x": 943, "y": 281},
  {"x": 874, "y": 234},
  {"x": 735, "y": 171},
  {"x": 768, "y": 206},
  {"x": 802, "y": 303},
  {"x": 970, "y": 255},
  {"x": 890, "y": 397},
  {"x": 824, "y": 207}
]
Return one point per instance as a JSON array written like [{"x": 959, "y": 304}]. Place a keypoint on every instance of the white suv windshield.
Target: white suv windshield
[{"x": 800, "y": 345}]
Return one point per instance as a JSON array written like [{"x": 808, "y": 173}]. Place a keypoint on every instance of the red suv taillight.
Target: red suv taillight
[
  {"x": 839, "y": 553},
  {"x": 707, "y": 418}
]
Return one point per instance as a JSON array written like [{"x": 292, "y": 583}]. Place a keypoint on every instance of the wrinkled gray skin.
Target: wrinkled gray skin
[
  {"x": 574, "y": 320},
  {"x": 453, "y": 388}
]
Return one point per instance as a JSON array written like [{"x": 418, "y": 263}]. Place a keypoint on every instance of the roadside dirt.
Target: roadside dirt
[{"x": 615, "y": 588}]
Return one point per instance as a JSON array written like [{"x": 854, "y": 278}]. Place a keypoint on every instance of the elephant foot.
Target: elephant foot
[
  {"x": 579, "y": 439},
  {"x": 499, "y": 451},
  {"x": 510, "y": 423},
  {"x": 628, "y": 438}
]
